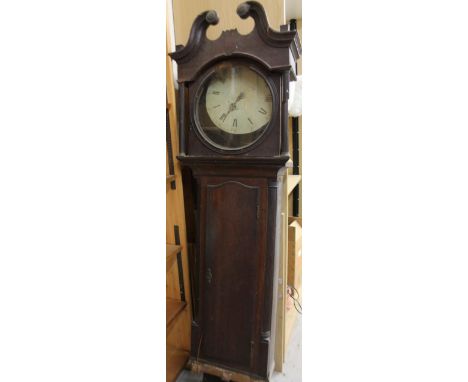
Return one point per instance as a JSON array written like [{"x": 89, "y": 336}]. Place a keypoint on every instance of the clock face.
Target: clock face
[{"x": 235, "y": 106}]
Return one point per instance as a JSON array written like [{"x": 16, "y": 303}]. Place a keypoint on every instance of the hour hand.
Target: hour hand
[
  {"x": 239, "y": 97},
  {"x": 233, "y": 105}
]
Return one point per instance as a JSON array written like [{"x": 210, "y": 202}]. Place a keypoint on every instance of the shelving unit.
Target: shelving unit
[
  {"x": 171, "y": 255},
  {"x": 178, "y": 296},
  {"x": 172, "y": 249},
  {"x": 291, "y": 317},
  {"x": 173, "y": 308},
  {"x": 292, "y": 182},
  {"x": 285, "y": 319},
  {"x": 294, "y": 203},
  {"x": 178, "y": 359}
]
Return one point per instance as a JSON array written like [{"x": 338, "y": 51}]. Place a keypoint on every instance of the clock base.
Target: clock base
[
  {"x": 218, "y": 373},
  {"x": 211, "y": 378}
]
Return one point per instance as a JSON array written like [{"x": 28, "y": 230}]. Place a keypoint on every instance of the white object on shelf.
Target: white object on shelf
[{"x": 295, "y": 97}]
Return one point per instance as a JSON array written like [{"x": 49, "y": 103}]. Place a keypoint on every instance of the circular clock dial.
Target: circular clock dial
[{"x": 235, "y": 106}]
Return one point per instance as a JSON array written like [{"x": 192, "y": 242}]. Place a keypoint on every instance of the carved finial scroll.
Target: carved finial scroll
[
  {"x": 254, "y": 10},
  {"x": 243, "y": 10},
  {"x": 212, "y": 17},
  {"x": 272, "y": 37},
  {"x": 197, "y": 34},
  {"x": 257, "y": 12}
]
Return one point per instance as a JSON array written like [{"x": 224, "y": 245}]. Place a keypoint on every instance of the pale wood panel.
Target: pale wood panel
[
  {"x": 292, "y": 181},
  {"x": 171, "y": 258},
  {"x": 167, "y": 165},
  {"x": 290, "y": 170},
  {"x": 176, "y": 355},
  {"x": 185, "y": 12},
  {"x": 172, "y": 249},
  {"x": 291, "y": 316},
  {"x": 175, "y": 213},
  {"x": 172, "y": 282},
  {"x": 290, "y": 142},
  {"x": 280, "y": 345},
  {"x": 176, "y": 359},
  {"x": 299, "y": 71},
  {"x": 173, "y": 308},
  {"x": 299, "y": 32},
  {"x": 179, "y": 331},
  {"x": 170, "y": 262}
]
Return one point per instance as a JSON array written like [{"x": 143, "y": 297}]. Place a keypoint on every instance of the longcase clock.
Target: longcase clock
[{"x": 233, "y": 121}]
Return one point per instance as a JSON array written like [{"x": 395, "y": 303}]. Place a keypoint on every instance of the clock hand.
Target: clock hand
[
  {"x": 232, "y": 106},
  {"x": 239, "y": 97}
]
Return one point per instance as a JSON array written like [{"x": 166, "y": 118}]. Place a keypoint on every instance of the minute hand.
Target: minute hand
[
  {"x": 232, "y": 106},
  {"x": 239, "y": 97}
]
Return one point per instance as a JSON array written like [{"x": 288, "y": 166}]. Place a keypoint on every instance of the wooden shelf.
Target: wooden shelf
[
  {"x": 293, "y": 181},
  {"x": 173, "y": 308},
  {"x": 178, "y": 313},
  {"x": 171, "y": 251}
]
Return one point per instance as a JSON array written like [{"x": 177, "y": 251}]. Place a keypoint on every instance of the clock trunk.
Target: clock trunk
[{"x": 237, "y": 265}]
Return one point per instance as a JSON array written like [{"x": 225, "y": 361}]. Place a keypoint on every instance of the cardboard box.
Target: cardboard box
[{"x": 295, "y": 252}]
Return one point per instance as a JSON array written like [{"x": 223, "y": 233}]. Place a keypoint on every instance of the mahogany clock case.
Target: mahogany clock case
[{"x": 232, "y": 201}]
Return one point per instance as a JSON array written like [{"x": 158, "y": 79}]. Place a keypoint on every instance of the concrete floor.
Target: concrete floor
[{"x": 292, "y": 371}]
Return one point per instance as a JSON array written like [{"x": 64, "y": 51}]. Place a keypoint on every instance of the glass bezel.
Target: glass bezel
[{"x": 202, "y": 85}]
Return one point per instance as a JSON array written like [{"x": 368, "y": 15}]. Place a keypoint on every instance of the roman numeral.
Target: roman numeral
[
  {"x": 234, "y": 123},
  {"x": 215, "y": 92},
  {"x": 223, "y": 117},
  {"x": 250, "y": 121},
  {"x": 268, "y": 98},
  {"x": 262, "y": 111},
  {"x": 214, "y": 107}
]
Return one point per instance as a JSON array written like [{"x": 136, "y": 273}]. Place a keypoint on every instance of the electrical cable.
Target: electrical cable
[{"x": 295, "y": 300}]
